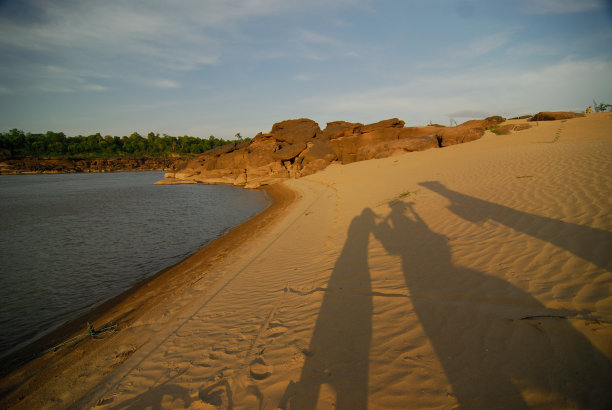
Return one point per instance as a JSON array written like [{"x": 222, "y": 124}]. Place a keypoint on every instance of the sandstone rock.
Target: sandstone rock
[
  {"x": 555, "y": 115},
  {"x": 503, "y": 129},
  {"x": 223, "y": 149},
  {"x": 397, "y": 147},
  {"x": 411, "y": 132},
  {"x": 261, "y": 153},
  {"x": 295, "y": 148},
  {"x": 415, "y": 143},
  {"x": 345, "y": 148},
  {"x": 289, "y": 151},
  {"x": 293, "y": 131},
  {"x": 320, "y": 150},
  {"x": 521, "y": 127},
  {"x": 349, "y": 147},
  {"x": 458, "y": 135},
  {"x": 340, "y": 128},
  {"x": 390, "y": 123},
  {"x": 484, "y": 124},
  {"x": 316, "y": 158}
]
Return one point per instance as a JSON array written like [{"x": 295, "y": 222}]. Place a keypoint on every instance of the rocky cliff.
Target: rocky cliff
[
  {"x": 295, "y": 148},
  {"x": 70, "y": 165}
]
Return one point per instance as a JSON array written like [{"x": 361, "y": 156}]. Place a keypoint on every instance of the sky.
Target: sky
[{"x": 221, "y": 67}]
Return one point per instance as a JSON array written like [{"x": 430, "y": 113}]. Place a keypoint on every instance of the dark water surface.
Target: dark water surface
[{"x": 69, "y": 242}]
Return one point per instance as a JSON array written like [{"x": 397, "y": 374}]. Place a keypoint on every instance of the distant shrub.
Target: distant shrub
[{"x": 601, "y": 107}]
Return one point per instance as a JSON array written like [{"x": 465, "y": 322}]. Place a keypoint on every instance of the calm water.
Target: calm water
[{"x": 69, "y": 242}]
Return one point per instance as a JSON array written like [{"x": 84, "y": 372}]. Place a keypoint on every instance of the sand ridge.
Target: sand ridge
[{"x": 475, "y": 276}]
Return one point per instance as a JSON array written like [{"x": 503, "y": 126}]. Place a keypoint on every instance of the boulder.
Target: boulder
[
  {"x": 521, "y": 127},
  {"x": 390, "y": 123},
  {"x": 411, "y": 132},
  {"x": 350, "y": 147},
  {"x": 316, "y": 158},
  {"x": 295, "y": 148},
  {"x": 289, "y": 152},
  {"x": 345, "y": 148},
  {"x": 261, "y": 153},
  {"x": 555, "y": 115},
  {"x": 397, "y": 147},
  {"x": 458, "y": 135},
  {"x": 503, "y": 129},
  {"x": 336, "y": 129},
  {"x": 220, "y": 150},
  {"x": 294, "y": 131},
  {"x": 485, "y": 124}
]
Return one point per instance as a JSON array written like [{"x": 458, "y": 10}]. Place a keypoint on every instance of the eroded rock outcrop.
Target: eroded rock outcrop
[
  {"x": 295, "y": 148},
  {"x": 555, "y": 115}
]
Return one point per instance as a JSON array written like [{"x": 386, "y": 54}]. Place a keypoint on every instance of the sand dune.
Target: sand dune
[{"x": 474, "y": 276}]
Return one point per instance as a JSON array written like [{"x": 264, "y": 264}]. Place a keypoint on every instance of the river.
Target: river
[{"x": 68, "y": 242}]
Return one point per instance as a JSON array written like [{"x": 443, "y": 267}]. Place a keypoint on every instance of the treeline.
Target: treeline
[{"x": 17, "y": 144}]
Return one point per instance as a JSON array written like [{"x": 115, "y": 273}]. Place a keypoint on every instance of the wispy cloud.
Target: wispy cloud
[
  {"x": 313, "y": 37},
  {"x": 163, "y": 83},
  {"x": 50, "y": 88},
  {"x": 316, "y": 46},
  {"x": 482, "y": 46},
  {"x": 302, "y": 77},
  {"x": 490, "y": 91},
  {"x": 95, "y": 87},
  {"x": 562, "y": 6}
]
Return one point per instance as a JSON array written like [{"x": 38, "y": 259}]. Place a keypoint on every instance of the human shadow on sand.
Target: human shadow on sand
[
  {"x": 591, "y": 244},
  {"x": 491, "y": 358},
  {"x": 498, "y": 346},
  {"x": 340, "y": 344},
  {"x": 153, "y": 398}
]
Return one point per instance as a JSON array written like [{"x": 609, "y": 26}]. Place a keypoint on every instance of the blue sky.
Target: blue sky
[{"x": 218, "y": 67}]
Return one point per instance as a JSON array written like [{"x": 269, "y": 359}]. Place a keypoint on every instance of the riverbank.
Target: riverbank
[
  {"x": 476, "y": 275},
  {"x": 85, "y": 363}
]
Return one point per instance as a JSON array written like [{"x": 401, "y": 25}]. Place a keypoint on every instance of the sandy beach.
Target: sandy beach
[{"x": 477, "y": 275}]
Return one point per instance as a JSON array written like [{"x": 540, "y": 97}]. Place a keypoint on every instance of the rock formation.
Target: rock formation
[
  {"x": 295, "y": 148},
  {"x": 555, "y": 115}
]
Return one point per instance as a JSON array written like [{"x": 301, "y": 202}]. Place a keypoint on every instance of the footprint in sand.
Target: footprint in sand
[
  {"x": 259, "y": 369},
  {"x": 218, "y": 394}
]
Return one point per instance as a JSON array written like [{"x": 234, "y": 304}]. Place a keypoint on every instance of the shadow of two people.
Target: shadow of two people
[{"x": 489, "y": 358}]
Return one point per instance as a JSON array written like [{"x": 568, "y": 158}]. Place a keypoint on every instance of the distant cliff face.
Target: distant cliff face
[
  {"x": 69, "y": 165},
  {"x": 295, "y": 148}
]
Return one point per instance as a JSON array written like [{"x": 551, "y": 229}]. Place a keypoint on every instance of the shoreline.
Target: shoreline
[
  {"x": 130, "y": 305},
  {"x": 67, "y": 165}
]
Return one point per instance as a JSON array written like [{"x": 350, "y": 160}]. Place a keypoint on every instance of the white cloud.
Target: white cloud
[
  {"x": 163, "y": 83},
  {"x": 50, "y": 88},
  {"x": 476, "y": 93},
  {"x": 312, "y": 37},
  {"x": 152, "y": 38},
  {"x": 302, "y": 77},
  {"x": 562, "y": 6},
  {"x": 482, "y": 46},
  {"x": 95, "y": 87}
]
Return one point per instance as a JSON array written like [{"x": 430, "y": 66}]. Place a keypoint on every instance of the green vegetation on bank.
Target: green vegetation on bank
[{"x": 17, "y": 144}]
